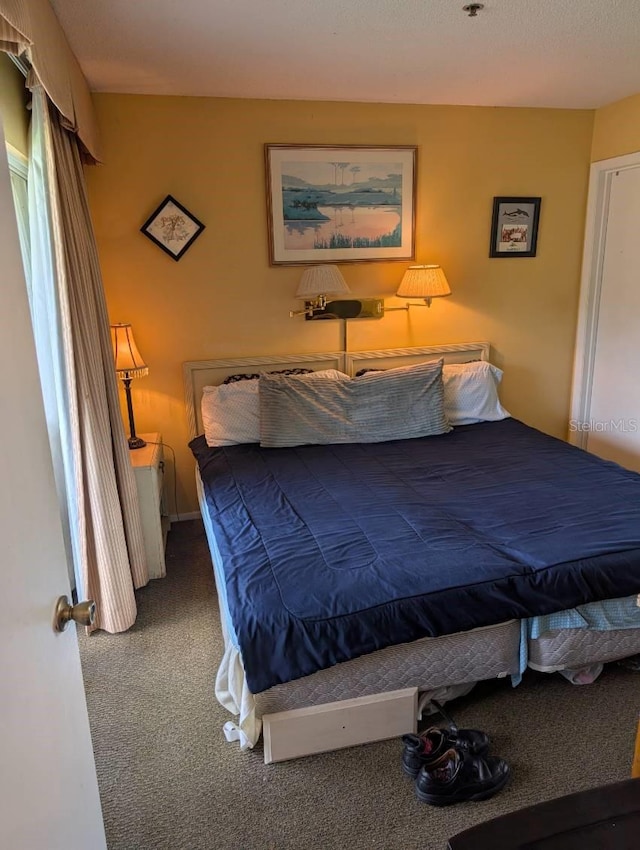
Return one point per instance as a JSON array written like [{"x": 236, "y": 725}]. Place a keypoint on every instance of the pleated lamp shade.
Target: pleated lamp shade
[
  {"x": 424, "y": 282},
  {"x": 127, "y": 358},
  {"x": 321, "y": 280}
]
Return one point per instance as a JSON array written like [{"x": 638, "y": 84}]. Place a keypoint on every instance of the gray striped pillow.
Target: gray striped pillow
[{"x": 392, "y": 405}]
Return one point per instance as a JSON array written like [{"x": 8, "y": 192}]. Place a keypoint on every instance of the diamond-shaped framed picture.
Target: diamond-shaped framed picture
[{"x": 172, "y": 227}]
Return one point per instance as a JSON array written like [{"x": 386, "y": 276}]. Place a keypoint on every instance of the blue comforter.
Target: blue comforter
[{"x": 330, "y": 552}]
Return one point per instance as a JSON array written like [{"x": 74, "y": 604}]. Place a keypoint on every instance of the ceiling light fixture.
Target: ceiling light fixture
[{"x": 472, "y": 9}]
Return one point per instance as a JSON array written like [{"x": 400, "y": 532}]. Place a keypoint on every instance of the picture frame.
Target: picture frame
[
  {"x": 172, "y": 227},
  {"x": 340, "y": 204},
  {"x": 514, "y": 227}
]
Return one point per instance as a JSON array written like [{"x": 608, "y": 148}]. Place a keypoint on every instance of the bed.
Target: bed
[{"x": 347, "y": 618}]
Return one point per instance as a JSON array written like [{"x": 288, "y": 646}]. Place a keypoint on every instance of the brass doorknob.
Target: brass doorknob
[{"x": 83, "y": 613}]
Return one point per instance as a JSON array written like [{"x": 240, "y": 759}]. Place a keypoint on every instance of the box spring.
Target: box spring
[
  {"x": 426, "y": 664},
  {"x": 570, "y": 649}
]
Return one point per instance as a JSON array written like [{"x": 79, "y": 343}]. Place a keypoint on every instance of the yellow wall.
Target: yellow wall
[
  {"x": 15, "y": 117},
  {"x": 223, "y": 299},
  {"x": 616, "y": 129}
]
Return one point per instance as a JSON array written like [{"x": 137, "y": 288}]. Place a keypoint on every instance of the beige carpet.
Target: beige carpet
[{"x": 169, "y": 780}]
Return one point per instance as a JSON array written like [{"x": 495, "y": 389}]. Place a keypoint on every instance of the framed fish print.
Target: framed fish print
[{"x": 514, "y": 227}]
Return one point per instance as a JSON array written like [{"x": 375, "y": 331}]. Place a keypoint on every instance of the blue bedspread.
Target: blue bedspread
[{"x": 330, "y": 552}]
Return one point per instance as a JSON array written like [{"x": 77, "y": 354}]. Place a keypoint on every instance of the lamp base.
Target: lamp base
[{"x": 136, "y": 443}]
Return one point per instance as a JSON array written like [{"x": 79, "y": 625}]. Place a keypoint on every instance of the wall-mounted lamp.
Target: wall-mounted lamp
[
  {"x": 129, "y": 364},
  {"x": 315, "y": 284},
  {"x": 424, "y": 282}
]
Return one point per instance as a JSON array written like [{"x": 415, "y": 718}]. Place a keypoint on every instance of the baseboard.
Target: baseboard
[{"x": 185, "y": 516}]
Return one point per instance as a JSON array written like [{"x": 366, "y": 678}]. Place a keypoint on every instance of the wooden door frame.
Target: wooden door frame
[{"x": 600, "y": 179}]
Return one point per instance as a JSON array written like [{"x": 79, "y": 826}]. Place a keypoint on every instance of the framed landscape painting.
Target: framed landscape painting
[{"x": 340, "y": 204}]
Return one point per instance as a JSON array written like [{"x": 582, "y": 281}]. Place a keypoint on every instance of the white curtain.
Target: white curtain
[
  {"x": 50, "y": 319},
  {"x": 112, "y": 556},
  {"x": 94, "y": 477},
  {"x": 95, "y": 480}
]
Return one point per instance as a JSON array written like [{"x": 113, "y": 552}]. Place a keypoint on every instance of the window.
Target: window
[{"x": 18, "y": 170}]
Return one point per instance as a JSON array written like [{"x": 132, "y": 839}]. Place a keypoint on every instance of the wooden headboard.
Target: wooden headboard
[
  {"x": 390, "y": 358},
  {"x": 201, "y": 373}
]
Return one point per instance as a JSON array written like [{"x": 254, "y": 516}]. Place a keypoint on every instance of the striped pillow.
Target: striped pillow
[
  {"x": 470, "y": 391},
  {"x": 387, "y": 406},
  {"x": 231, "y": 411}
]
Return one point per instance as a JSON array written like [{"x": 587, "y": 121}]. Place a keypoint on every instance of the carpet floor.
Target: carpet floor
[{"x": 169, "y": 781}]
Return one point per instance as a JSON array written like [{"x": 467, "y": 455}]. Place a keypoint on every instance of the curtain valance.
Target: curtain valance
[{"x": 32, "y": 26}]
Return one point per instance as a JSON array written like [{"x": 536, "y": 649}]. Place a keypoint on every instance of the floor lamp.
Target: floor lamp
[{"x": 129, "y": 364}]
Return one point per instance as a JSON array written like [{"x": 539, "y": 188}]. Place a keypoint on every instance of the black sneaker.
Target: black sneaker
[
  {"x": 425, "y": 749},
  {"x": 458, "y": 777}
]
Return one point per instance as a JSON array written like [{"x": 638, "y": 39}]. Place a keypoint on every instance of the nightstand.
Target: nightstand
[{"x": 148, "y": 467}]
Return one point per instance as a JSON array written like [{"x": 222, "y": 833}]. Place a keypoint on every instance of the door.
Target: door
[
  {"x": 48, "y": 788},
  {"x": 613, "y": 427}
]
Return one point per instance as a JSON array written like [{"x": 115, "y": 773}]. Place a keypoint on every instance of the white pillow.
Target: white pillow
[
  {"x": 231, "y": 412},
  {"x": 471, "y": 393}
]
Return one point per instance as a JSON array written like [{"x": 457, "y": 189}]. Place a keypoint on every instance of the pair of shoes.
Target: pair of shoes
[
  {"x": 459, "y": 776},
  {"x": 426, "y": 749},
  {"x": 452, "y": 766}
]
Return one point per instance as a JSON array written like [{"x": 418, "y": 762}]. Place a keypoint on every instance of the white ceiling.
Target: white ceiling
[{"x": 558, "y": 53}]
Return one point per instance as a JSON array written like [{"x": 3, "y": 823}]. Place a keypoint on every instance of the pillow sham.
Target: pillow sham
[
  {"x": 387, "y": 406},
  {"x": 231, "y": 412},
  {"x": 471, "y": 393}
]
